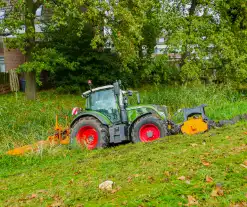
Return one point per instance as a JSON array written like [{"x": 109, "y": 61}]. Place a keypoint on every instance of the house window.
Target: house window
[
  {"x": 2, "y": 65},
  {"x": 2, "y": 14},
  {"x": 161, "y": 40}
]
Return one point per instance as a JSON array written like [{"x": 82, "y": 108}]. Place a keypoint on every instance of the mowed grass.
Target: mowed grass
[{"x": 144, "y": 174}]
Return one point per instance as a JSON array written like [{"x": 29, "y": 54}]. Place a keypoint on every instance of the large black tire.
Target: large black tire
[
  {"x": 148, "y": 128},
  {"x": 85, "y": 131}
]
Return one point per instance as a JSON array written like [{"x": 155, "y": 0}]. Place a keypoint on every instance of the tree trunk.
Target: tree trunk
[
  {"x": 30, "y": 85},
  {"x": 30, "y": 10},
  {"x": 192, "y": 8}
]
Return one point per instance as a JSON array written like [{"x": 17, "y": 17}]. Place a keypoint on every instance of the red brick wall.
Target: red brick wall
[
  {"x": 1, "y": 52},
  {"x": 13, "y": 58}
]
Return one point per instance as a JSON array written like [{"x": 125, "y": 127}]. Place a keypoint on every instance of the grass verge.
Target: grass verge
[{"x": 144, "y": 174}]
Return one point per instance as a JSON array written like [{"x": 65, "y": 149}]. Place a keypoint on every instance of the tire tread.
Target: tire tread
[
  {"x": 161, "y": 122},
  {"x": 103, "y": 129}
]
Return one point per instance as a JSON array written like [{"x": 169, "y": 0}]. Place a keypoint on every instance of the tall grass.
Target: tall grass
[
  {"x": 23, "y": 121},
  {"x": 222, "y": 102}
]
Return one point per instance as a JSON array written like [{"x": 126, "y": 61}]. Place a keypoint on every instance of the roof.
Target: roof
[{"x": 97, "y": 89}]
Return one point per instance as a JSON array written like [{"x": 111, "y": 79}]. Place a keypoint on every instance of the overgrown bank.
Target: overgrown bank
[{"x": 23, "y": 121}]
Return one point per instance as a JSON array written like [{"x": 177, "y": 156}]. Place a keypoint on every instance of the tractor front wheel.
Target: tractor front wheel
[
  {"x": 148, "y": 129},
  {"x": 89, "y": 132}
]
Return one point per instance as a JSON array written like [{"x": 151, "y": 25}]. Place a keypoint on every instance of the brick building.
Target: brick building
[{"x": 12, "y": 58}]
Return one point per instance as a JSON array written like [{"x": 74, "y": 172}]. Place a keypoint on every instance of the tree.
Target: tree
[
  {"x": 124, "y": 25},
  {"x": 121, "y": 22},
  {"x": 101, "y": 66},
  {"x": 210, "y": 36},
  {"x": 19, "y": 15},
  {"x": 189, "y": 26},
  {"x": 231, "y": 41}
]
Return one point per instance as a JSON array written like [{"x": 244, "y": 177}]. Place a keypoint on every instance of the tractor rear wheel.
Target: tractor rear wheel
[
  {"x": 148, "y": 129},
  {"x": 89, "y": 132}
]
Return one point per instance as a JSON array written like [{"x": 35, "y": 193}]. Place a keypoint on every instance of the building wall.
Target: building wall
[
  {"x": 1, "y": 52},
  {"x": 2, "y": 65},
  {"x": 13, "y": 58}
]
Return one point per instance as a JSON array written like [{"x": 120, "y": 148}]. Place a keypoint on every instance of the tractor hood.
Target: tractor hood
[{"x": 136, "y": 111}]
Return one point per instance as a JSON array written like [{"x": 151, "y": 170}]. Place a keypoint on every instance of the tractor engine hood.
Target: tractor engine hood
[
  {"x": 135, "y": 111},
  {"x": 162, "y": 109}
]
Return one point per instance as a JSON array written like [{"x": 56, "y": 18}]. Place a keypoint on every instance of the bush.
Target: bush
[
  {"x": 68, "y": 89},
  {"x": 160, "y": 70}
]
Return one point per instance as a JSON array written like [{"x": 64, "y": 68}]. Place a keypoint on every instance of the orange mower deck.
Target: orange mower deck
[{"x": 194, "y": 126}]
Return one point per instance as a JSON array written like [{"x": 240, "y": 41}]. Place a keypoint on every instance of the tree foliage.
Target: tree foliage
[
  {"x": 20, "y": 16},
  {"x": 210, "y": 36},
  {"x": 105, "y": 40},
  {"x": 77, "y": 34}
]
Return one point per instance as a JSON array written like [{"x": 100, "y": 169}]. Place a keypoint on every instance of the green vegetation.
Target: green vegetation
[
  {"x": 105, "y": 40},
  {"x": 24, "y": 121},
  {"x": 223, "y": 102},
  {"x": 144, "y": 174},
  {"x": 210, "y": 39}
]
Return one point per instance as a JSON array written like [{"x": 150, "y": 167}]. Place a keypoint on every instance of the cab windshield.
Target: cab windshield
[{"x": 104, "y": 102}]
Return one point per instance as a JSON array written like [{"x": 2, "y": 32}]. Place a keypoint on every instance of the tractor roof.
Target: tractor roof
[{"x": 97, "y": 89}]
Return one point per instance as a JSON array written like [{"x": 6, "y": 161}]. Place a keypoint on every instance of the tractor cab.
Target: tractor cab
[{"x": 103, "y": 100}]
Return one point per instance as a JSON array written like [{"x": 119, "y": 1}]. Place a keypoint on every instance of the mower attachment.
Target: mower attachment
[
  {"x": 195, "y": 120},
  {"x": 200, "y": 110},
  {"x": 62, "y": 136}
]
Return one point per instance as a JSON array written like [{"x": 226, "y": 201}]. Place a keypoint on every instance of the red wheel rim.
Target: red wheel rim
[
  {"x": 149, "y": 133},
  {"x": 88, "y": 136}
]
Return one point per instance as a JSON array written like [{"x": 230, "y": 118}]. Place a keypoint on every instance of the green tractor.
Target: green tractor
[{"x": 108, "y": 119}]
